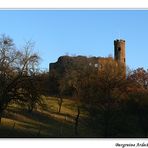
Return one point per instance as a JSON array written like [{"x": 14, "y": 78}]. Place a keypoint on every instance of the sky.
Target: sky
[{"x": 79, "y": 32}]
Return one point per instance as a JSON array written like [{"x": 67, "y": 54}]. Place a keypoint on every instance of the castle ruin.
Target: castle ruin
[{"x": 98, "y": 62}]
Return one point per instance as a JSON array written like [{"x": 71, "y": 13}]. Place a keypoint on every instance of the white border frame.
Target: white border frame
[{"x": 70, "y": 5}]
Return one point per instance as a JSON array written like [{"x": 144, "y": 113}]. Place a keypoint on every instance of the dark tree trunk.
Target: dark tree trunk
[
  {"x": 0, "y": 119},
  {"x": 39, "y": 132},
  {"x": 30, "y": 108},
  {"x": 77, "y": 121},
  {"x": 60, "y": 101},
  {"x": 1, "y": 112},
  {"x": 59, "y": 108}
]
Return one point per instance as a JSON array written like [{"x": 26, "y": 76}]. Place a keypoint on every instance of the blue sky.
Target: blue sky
[{"x": 79, "y": 32}]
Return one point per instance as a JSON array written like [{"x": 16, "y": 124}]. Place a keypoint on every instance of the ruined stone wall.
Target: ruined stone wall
[{"x": 65, "y": 62}]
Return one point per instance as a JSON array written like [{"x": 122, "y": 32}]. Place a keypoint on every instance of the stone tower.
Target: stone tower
[{"x": 119, "y": 53}]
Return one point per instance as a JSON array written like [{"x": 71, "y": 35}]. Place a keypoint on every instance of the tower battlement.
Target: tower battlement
[{"x": 119, "y": 40}]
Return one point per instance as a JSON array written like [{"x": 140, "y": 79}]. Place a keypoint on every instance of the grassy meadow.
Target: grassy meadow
[{"x": 44, "y": 122}]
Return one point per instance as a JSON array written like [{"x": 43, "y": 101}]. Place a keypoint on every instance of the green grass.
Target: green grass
[{"x": 47, "y": 122}]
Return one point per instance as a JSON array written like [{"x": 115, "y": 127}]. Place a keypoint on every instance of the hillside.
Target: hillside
[{"x": 47, "y": 122}]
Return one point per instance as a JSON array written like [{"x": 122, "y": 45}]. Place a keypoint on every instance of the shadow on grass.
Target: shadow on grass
[
  {"x": 35, "y": 124},
  {"x": 9, "y": 132}
]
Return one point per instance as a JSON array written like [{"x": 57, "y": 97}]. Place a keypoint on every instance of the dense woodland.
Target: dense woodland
[{"x": 115, "y": 106}]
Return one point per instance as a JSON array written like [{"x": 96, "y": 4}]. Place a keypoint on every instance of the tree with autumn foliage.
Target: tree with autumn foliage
[{"x": 138, "y": 97}]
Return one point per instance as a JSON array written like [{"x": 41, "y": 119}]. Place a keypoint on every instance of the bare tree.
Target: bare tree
[
  {"x": 15, "y": 67},
  {"x": 60, "y": 101},
  {"x": 77, "y": 120},
  {"x": 112, "y": 88},
  {"x": 79, "y": 79}
]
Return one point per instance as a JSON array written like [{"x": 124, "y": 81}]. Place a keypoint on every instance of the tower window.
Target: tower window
[
  {"x": 119, "y": 49},
  {"x": 96, "y": 65}
]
